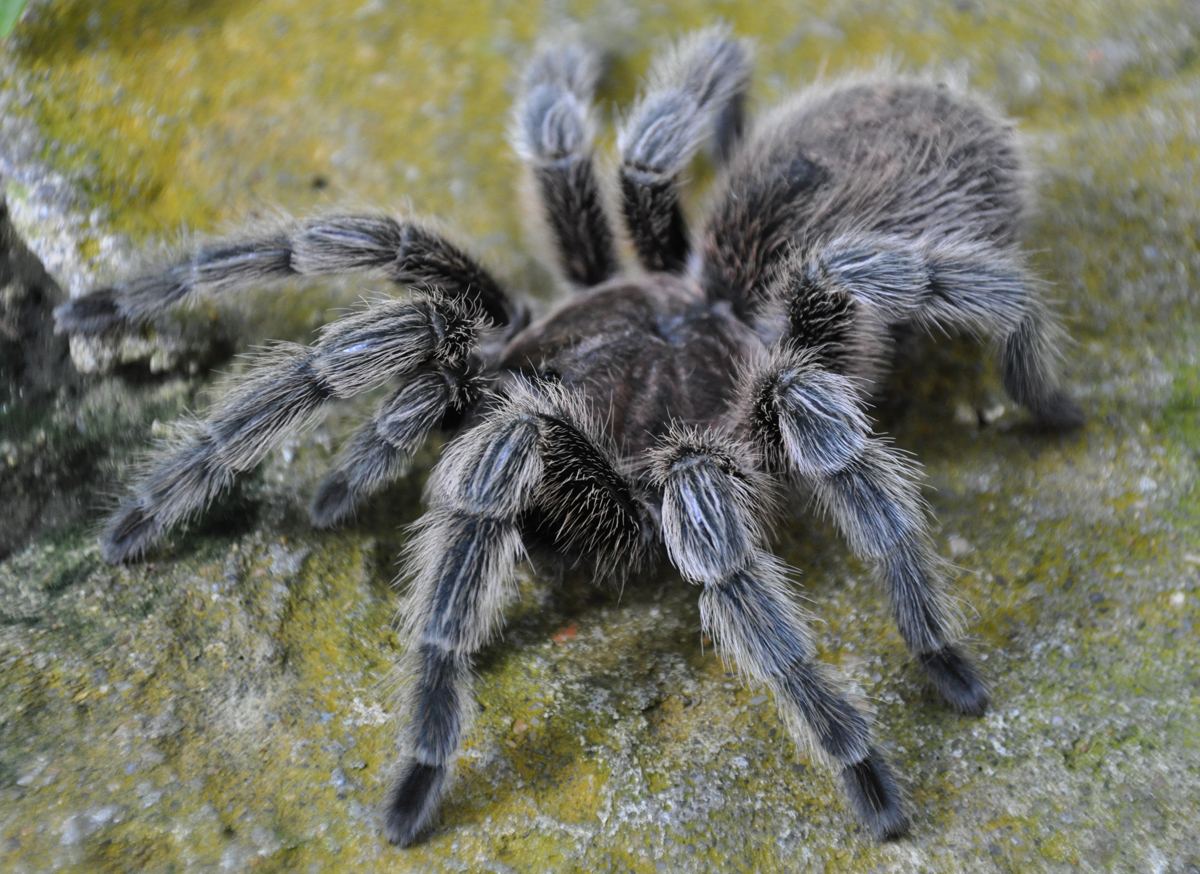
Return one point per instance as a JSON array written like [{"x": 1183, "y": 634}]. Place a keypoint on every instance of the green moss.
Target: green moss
[
  {"x": 156, "y": 107},
  {"x": 1181, "y": 415},
  {"x": 227, "y": 698}
]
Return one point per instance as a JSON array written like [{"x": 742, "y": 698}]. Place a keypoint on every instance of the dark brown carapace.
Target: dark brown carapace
[{"x": 646, "y": 353}]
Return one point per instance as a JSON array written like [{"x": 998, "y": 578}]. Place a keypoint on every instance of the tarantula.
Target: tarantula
[{"x": 659, "y": 405}]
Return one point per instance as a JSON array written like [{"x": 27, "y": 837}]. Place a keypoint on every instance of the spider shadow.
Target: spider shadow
[
  {"x": 567, "y": 626},
  {"x": 556, "y": 598},
  {"x": 932, "y": 383}
]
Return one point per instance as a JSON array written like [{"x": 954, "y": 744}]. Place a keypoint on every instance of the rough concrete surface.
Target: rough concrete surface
[{"x": 224, "y": 705}]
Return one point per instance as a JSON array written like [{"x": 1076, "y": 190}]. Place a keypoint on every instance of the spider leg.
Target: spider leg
[
  {"x": 975, "y": 287},
  {"x": 730, "y": 125},
  {"x": 406, "y": 252},
  {"x": 695, "y": 88},
  {"x": 553, "y": 131},
  {"x": 811, "y": 422},
  {"x": 713, "y": 536},
  {"x": 352, "y": 355},
  {"x": 379, "y": 452},
  {"x": 537, "y": 453},
  {"x": 989, "y": 293}
]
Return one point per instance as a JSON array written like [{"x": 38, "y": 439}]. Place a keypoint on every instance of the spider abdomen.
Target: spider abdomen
[{"x": 892, "y": 155}]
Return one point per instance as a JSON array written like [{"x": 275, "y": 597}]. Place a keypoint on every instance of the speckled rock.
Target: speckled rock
[{"x": 225, "y": 705}]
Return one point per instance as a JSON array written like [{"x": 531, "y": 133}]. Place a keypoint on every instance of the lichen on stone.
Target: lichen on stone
[{"x": 227, "y": 702}]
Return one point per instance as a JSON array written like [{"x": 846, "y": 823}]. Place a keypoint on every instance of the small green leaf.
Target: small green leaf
[{"x": 10, "y": 11}]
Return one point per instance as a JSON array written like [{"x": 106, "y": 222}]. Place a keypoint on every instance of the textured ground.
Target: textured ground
[{"x": 223, "y": 706}]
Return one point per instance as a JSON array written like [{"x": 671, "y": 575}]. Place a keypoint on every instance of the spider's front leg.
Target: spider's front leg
[
  {"x": 537, "y": 458},
  {"x": 811, "y": 422},
  {"x": 553, "y": 132},
  {"x": 407, "y": 252},
  {"x": 694, "y": 89},
  {"x": 714, "y": 536},
  {"x": 353, "y": 354}
]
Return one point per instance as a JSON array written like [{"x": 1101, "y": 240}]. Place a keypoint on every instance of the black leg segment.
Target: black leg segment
[
  {"x": 712, "y": 535},
  {"x": 537, "y": 448},
  {"x": 811, "y": 423},
  {"x": 876, "y": 796},
  {"x": 380, "y": 452},
  {"x": 413, "y": 802}
]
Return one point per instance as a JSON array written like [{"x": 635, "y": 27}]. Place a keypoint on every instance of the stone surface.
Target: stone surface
[{"x": 224, "y": 705}]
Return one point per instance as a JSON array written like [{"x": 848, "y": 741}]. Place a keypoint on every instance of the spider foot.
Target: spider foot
[
  {"x": 413, "y": 803},
  {"x": 1059, "y": 412},
  {"x": 334, "y": 502},
  {"x": 130, "y": 533},
  {"x": 94, "y": 313},
  {"x": 956, "y": 679},
  {"x": 876, "y": 796}
]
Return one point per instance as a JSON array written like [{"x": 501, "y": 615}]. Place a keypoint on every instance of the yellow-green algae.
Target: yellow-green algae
[{"x": 222, "y": 705}]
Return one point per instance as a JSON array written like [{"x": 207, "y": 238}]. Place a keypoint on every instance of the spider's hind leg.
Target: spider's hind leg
[
  {"x": 988, "y": 292},
  {"x": 1029, "y": 375},
  {"x": 975, "y": 287},
  {"x": 406, "y": 252},
  {"x": 713, "y": 535},
  {"x": 537, "y": 453},
  {"x": 380, "y": 451}
]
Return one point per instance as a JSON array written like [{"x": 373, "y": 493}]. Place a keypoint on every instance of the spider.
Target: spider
[{"x": 662, "y": 405}]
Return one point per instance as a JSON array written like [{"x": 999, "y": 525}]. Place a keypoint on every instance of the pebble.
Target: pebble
[{"x": 960, "y": 546}]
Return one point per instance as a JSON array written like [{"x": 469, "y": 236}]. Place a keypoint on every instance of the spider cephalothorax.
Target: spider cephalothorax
[{"x": 662, "y": 407}]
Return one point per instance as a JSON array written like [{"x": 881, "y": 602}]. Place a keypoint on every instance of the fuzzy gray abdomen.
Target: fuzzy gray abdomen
[
  {"x": 885, "y": 156},
  {"x": 644, "y": 352},
  {"x": 911, "y": 158}
]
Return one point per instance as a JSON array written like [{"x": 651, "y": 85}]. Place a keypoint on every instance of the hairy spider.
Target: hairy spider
[{"x": 657, "y": 405}]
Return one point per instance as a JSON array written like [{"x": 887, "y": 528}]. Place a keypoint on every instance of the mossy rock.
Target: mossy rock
[{"x": 225, "y": 704}]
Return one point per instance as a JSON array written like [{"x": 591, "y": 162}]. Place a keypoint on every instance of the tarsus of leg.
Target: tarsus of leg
[
  {"x": 405, "y": 251},
  {"x": 279, "y": 394},
  {"x": 713, "y": 535},
  {"x": 687, "y": 87}
]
